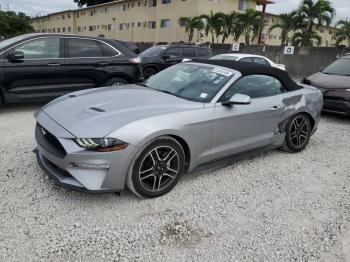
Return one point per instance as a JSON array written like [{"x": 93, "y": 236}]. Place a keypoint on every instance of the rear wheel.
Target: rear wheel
[
  {"x": 298, "y": 133},
  {"x": 157, "y": 168},
  {"x": 149, "y": 71},
  {"x": 116, "y": 81}
]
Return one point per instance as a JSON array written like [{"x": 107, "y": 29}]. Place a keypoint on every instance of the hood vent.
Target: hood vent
[{"x": 97, "y": 109}]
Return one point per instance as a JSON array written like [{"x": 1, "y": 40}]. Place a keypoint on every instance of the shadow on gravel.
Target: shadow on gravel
[
  {"x": 333, "y": 116},
  {"x": 21, "y": 107}
]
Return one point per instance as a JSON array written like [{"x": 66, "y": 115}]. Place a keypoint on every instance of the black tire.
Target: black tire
[
  {"x": 149, "y": 71},
  {"x": 150, "y": 174},
  {"x": 115, "y": 81},
  {"x": 298, "y": 133}
]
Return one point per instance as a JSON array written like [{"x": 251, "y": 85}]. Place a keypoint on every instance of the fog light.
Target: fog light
[{"x": 90, "y": 166}]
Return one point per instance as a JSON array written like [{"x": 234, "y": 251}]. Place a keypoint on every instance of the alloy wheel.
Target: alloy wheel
[
  {"x": 159, "y": 168},
  {"x": 299, "y": 131}
]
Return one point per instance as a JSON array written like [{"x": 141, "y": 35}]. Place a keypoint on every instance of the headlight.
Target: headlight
[
  {"x": 347, "y": 90},
  {"x": 101, "y": 144}
]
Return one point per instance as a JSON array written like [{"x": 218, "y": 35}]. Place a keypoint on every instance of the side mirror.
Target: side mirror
[
  {"x": 15, "y": 56},
  {"x": 238, "y": 99}
]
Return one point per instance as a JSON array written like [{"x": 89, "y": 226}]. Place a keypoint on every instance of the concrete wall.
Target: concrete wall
[{"x": 304, "y": 62}]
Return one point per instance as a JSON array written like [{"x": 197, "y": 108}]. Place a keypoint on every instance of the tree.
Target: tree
[
  {"x": 287, "y": 23},
  {"x": 313, "y": 14},
  {"x": 343, "y": 33},
  {"x": 191, "y": 24},
  {"x": 13, "y": 24},
  {"x": 91, "y": 2},
  {"x": 213, "y": 24},
  {"x": 252, "y": 22},
  {"x": 299, "y": 39}
]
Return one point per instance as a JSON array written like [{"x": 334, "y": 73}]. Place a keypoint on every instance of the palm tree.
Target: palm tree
[
  {"x": 343, "y": 33},
  {"x": 252, "y": 22},
  {"x": 231, "y": 26},
  {"x": 314, "y": 13},
  {"x": 213, "y": 24},
  {"x": 191, "y": 24},
  {"x": 287, "y": 23},
  {"x": 300, "y": 39}
]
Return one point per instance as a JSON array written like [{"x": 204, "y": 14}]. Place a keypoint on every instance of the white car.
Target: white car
[{"x": 248, "y": 58}]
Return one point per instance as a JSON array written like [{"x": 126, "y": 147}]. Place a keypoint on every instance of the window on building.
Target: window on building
[
  {"x": 165, "y": 23},
  {"x": 123, "y": 7},
  {"x": 63, "y": 29},
  {"x": 40, "y": 48},
  {"x": 58, "y": 30},
  {"x": 83, "y": 48},
  {"x": 152, "y": 3},
  {"x": 164, "y": 2},
  {"x": 69, "y": 29},
  {"x": 110, "y": 27},
  {"x": 151, "y": 24},
  {"x": 243, "y": 4}
]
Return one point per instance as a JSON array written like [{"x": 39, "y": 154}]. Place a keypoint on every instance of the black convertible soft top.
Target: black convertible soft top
[{"x": 255, "y": 69}]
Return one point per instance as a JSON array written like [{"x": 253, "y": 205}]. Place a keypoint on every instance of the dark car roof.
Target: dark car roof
[
  {"x": 116, "y": 43},
  {"x": 254, "y": 69}
]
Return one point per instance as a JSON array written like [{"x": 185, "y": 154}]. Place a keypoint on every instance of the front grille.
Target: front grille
[{"x": 50, "y": 142}]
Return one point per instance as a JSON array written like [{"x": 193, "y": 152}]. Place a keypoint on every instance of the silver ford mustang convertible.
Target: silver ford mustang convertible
[{"x": 185, "y": 117}]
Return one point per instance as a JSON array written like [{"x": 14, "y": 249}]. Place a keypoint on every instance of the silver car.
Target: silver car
[{"x": 145, "y": 137}]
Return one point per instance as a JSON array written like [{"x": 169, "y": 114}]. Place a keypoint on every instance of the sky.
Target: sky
[{"x": 43, "y": 7}]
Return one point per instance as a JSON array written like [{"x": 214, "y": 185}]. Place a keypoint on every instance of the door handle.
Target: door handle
[
  {"x": 53, "y": 64},
  {"x": 276, "y": 108}
]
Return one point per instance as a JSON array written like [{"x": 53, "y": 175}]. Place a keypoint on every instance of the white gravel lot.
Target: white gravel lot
[{"x": 273, "y": 207}]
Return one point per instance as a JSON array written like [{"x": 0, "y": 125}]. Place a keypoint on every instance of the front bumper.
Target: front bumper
[
  {"x": 73, "y": 167},
  {"x": 337, "y": 101}
]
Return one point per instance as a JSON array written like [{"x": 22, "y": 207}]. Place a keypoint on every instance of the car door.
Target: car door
[
  {"x": 240, "y": 128},
  {"x": 171, "y": 56},
  {"x": 86, "y": 64},
  {"x": 39, "y": 73}
]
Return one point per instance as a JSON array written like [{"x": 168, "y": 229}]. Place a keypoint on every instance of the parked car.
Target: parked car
[
  {"x": 249, "y": 58},
  {"x": 334, "y": 82},
  {"x": 180, "y": 119},
  {"x": 39, "y": 67},
  {"x": 159, "y": 57}
]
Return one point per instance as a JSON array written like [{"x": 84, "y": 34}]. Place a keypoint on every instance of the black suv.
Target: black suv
[
  {"x": 160, "y": 57},
  {"x": 39, "y": 67}
]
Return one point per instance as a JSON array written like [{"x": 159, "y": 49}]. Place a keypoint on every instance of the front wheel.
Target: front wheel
[
  {"x": 116, "y": 81},
  {"x": 157, "y": 168},
  {"x": 298, "y": 133},
  {"x": 149, "y": 71}
]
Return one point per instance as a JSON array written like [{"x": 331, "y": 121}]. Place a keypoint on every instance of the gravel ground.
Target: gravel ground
[{"x": 273, "y": 207}]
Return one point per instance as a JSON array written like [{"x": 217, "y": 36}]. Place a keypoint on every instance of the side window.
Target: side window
[
  {"x": 188, "y": 52},
  {"x": 201, "y": 52},
  {"x": 173, "y": 52},
  {"x": 255, "y": 86},
  {"x": 247, "y": 60},
  {"x": 107, "y": 50},
  {"x": 261, "y": 61},
  {"x": 40, "y": 48},
  {"x": 280, "y": 89},
  {"x": 83, "y": 48}
]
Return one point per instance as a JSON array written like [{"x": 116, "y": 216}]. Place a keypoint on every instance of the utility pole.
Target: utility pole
[{"x": 8, "y": 6}]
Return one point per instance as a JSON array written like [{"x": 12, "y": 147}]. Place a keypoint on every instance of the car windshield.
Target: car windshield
[
  {"x": 10, "y": 41},
  {"x": 194, "y": 82},
  {"x": 224, "y": 57},
  {"x": 339, "y": 67},
  {"x": 153, "y": 51}
]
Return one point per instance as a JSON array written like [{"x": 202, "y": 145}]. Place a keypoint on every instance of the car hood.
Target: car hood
[
  {"x": 329, "y": 81},
  {"x": 97, "y": 113}
]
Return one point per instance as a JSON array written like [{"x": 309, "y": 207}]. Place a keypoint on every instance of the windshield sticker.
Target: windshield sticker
[
  {"x": 222, "y": 71},
  {"x": 203, "y": 95}
]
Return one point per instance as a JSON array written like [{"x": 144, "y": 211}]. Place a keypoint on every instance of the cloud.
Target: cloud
[{"x": 284, "y": 6}]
